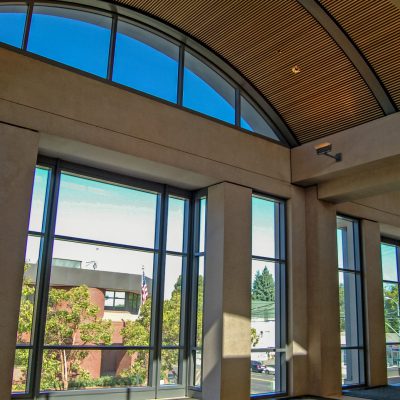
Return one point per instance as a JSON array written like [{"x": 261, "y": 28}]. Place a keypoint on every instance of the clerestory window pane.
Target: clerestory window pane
[
  {"x": 12, "y": 23},
  {"x": 76, "y": 38}
]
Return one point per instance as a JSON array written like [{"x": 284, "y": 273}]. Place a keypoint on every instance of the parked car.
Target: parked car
[
  {"x": 256, "y": 366},
  {"x": 269, "y": 369}
]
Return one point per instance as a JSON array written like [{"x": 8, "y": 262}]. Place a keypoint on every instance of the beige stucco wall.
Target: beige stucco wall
[{"x": 84, "y": 120}]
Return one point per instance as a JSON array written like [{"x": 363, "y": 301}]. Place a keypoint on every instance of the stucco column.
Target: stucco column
[
  {"x": 226, "y": 351},
  {"x": 373, "y": 304},
  {"x": 297, "y": 294},
  {"x": 18, "y": 153},
  {"x": 324, "y": 362}
]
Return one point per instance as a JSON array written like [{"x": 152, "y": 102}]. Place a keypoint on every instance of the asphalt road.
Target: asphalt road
[{"x": 262, "y": 383}]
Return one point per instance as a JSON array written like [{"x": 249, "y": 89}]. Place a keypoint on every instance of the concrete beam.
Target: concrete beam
[
  {"x": 369, "y": 144},
  {"x": 374, "y": 179}
]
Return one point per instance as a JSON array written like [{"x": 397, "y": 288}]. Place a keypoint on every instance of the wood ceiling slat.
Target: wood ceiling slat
[
  {"x": 263, "y": 40},
  {"x": 374, "y": 26}
]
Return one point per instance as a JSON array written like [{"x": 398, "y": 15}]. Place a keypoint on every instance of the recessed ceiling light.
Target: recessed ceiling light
[{"x": 296, "y": 69}]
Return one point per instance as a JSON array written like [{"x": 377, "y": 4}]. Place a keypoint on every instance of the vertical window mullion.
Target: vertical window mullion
[
  {"x": 111, "y": 51},
  {"x": 181, "y": 71},
  {"x": 27, "y": 25},
  {"x": 44, "y": 282}
]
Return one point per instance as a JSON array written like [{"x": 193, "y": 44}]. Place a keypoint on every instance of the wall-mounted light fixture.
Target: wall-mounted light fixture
[{"x": 325, "y": 149}]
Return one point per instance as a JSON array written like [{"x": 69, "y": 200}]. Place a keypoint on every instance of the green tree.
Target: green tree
[
  {"x": 263, "y": 286},
  {"x": 71, "y": 319},
  {"x": 391, "y": 305},
  {"x": 341, "y": 307}
]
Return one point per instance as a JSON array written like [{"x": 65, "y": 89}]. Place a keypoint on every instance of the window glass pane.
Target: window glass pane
[
  {"x": 172, "y": 301},
  {"x": 20, "y": 373},
  {"x": 95, "y": 210},
  {"x": 389, "y": 262},
  {"x": 197, "y": 362},
  {"x": 146, "y": 62},
  {"x": 253, "y": 121},
  {"x": 349, "y": 300},
  {"x": 40, "y": 184},
  {"x": 263, "y": 237},
  {"x": 93, "y": 369},
  {"x": 169, "y": 372},
  {"x": 263, "y": 305},
  {"x": 263, "y": 371},
  {"x": 347, "y": 234},
  {"x": 202, "y": 235},
  {"x": 76, "y": 313},
  {"x": 200, "y": 303},
  {"x": 352, "y": 360},
  {"x": 391, "y": 305},
  {"x": 28, "y": 290},
  {"x": 12, "y": 23},
  {"x": 393, "y": 363},
  {"x": 176, "y": 224},
  {"x": 73, "y": 37},
  {"x": 205, "y": 91}
]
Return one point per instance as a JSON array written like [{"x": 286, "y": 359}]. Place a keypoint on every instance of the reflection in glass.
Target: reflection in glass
[
  {"x": 205, "y": 91},
  {"x": 176, "y": 224},
  {"x": 169, "y": 372},
  {"x": 263, "y": 305},
  {"x": 172, "y": 301},
  {"x": 252, "y": 120},
  {"x": 393, "y": 363},
  {"x": 12, "y": 23},
  {"x": 197, "y": 356},
  {"x": 93, "y": 369},
  {"x": 263, "y": 234},
  {"x": 200, "y": 302},
  {"x": 76, "y": 38},
  {"x": 352, "y": 366},
  {"x": 20, "y": 373},
  {"x": 146, "y": 62},
  {"x": 25, "y": 319},
  {"x": 263, "y": 371},
  {"x": 39, "y": 199},
  {"x": 389, "y": 262},
  {"x": 96, "y": 210}
]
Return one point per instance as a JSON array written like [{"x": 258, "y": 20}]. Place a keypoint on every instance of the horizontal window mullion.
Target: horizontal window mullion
[
  {"x": 269, "y": 259},
  {"x": 24, "y": 346},
  {"x": 352, "y": 347},
  {"x": 392, "y": 343},
  {"x": 176, "y": 253},
  {"x": 392, "y": 282},
  {"x": 95, "y": 347},
  {"x": 351, "y": 271},
  {"x": 105, "y": 244},
  {"x": 36, "y": 233},
  {"x": 263, "y": 349},
  {"x": 200, "y": 254}
]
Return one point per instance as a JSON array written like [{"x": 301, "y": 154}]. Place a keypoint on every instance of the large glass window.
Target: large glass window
[
  {"x": 350, "y": 302},
  {"x": 205, "y": 91},
  {"x": 390, "y": 254},
  {"x": 146, "y": 62},
  {"x": 73, "y": 37},
  {"x": 105, "y": 286},
  {"x": 268, "y": 308}
]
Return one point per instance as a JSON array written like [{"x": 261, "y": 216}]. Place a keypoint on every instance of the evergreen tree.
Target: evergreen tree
[{"x": 263, "y": 286}]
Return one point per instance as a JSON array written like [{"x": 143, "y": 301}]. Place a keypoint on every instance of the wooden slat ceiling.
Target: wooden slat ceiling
[
  {"x": 264, "y": 39},
  {"x": 374, "y": 26}
]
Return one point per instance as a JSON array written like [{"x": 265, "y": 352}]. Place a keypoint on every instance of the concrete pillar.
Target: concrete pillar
[
  {"x": 373, "y": 304},
  {"x": 297, "y": 294},
  {"x": 323, "y": 297},
  {"x": 18, "y": 153},
  {"x": 226, "y": 351}
]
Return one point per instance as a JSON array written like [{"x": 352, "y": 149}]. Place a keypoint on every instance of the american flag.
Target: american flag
[{"x": 145, "y": 292}]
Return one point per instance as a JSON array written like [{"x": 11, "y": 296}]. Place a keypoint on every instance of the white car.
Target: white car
[{"x": 269, "y": 369}]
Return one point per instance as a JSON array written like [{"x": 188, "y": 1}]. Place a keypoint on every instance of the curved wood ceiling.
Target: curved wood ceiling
[{"x": 264, "y": 39}]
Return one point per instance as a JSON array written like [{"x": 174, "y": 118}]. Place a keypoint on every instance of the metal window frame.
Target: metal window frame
[
  {"x": 281, "y": 312},
  {"x": 185, "y": 43},
  {"x": 396, "y": 244},
  {"x": 358, "y": 273},
  {"x": 37, "y": 346}
]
